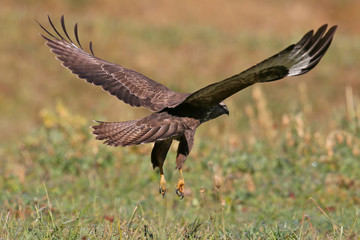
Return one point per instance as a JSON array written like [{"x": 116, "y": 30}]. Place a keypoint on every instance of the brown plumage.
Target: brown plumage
[
  {"x": 177, "y": 115},
  {"x": 155, "y": 127}
]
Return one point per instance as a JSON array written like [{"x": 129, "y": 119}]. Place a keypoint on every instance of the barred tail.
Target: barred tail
[
  {"x": 155, "y": 127},
  {"x": 115, "y": 133}
]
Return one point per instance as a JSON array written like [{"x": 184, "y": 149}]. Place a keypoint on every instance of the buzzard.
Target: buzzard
[{"x": 175, "y": 115}]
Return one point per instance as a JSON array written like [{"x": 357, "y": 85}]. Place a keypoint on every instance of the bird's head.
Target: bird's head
[
  {"x": 225, "y": 109},
  {"x": 217, "y": 110}
]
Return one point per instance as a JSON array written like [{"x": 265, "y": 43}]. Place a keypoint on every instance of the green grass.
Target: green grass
[{"x": 292, "y": 184}]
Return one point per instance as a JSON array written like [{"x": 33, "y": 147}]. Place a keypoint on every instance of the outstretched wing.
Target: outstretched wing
[
  {"x": 127, "y": 85},
  {"x": 295, "y": 60}
]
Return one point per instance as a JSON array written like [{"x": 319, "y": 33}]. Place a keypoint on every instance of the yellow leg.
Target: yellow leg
[
  {"x": 162, "y": 188},
  {"x": 158, "y": 155},
  {"x": 180, "y": 188}
]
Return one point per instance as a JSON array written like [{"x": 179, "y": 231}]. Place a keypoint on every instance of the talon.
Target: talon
[
  {"x": 180, "y": 186},
  {"x": 162, "y": 192},
  {"x": 162, "y": 188},
  {"x": 180, "y": 194}
]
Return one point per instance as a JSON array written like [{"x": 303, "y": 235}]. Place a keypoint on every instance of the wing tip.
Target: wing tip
[
  {"x": 313, "y": 49},
  {"x": 57, "y": 36}
]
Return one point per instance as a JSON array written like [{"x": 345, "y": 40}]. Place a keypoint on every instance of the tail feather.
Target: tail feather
[
  {"x": 155, "y": 127},
  {"x": 113, "y": 132}
]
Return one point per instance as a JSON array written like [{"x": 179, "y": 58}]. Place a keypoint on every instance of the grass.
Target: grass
[
  {"x": 295, "y": 183},
  {"x": 283, "y": 165}
]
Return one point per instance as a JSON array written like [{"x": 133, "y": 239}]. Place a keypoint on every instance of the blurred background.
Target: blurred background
[
  {"x": 284, "y": 163},
  {"x": 183, "y": 44}
]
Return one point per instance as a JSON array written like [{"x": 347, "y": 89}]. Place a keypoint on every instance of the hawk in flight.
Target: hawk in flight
[{"x": 175, "y": 115}]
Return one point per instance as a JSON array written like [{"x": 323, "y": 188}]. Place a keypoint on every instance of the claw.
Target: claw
[
  {"x": 180, "y": 188},
  {"x": 179, "y": 193},
  {"x": 162, "y": 188},
  {"x": 162, "y": 192}
]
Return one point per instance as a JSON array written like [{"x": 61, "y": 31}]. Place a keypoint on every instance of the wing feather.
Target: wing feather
[
  {"x": 127, "y": 85},
  {"x": 295, "y": 60}
]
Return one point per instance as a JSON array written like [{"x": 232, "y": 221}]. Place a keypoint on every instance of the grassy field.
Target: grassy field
[{"x": 284, "y": 165}]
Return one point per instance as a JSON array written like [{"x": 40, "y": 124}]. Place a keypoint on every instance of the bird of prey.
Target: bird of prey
[{"x": 175, "y": 115}]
